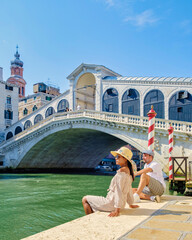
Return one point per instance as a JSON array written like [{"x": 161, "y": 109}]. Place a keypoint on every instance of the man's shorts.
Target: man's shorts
[{"x": 154, "y": 188}]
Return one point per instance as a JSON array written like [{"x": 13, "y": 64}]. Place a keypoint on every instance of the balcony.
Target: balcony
[
  {"x": 8, "y": 106},
  {"x": 8, "y": 122}
]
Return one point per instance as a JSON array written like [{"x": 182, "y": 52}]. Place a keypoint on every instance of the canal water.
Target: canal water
[{"x": 31, "y": 203}]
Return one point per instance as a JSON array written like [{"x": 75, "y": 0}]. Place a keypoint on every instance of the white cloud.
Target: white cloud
[{"x": 145, "y": 18}]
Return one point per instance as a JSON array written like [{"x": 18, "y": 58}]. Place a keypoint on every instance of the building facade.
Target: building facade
[
  {"x": 42, "y": 95},
  {"x": 31, "y": 103},
  {"x": 8, "y": 105}
]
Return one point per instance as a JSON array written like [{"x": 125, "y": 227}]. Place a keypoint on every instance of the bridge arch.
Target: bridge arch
[
  {"x": 156, "y": 98},
  {"x": 18, "y": 129},
  {"x": 62, "y": 105},
  {"x": 85, "y": 141},
  {"x": 50, "y": 111},
  {"x": 110, "y": 100},
  {"x": 180, "y": 106},
  {"x": 9, "y": 135},
  {"x": 38, "y": 118},
  {"x": 27, "y": 124},
  {"x": 131, "y": 102},
  {"x": 85, "y": 91}
]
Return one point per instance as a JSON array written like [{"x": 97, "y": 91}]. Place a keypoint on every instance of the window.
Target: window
[
  {"x": 35, "y": 98},
  {"x": 182, "y": 95},
  {"x": 22, "y": 91},
  {"x": 34, "y": 108},
  {"x": 8, "y": 114},
  {"x": 48, "y": 98},
  {"x": 9, "y": 87},
  {"x": 25, "y": 111},
  {"x": 8, "y": 100}
]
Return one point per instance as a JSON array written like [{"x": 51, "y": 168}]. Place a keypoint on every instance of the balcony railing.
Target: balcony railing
[
  {"x": 8, "y": 106},
  {"x": 8, "y": 122}
]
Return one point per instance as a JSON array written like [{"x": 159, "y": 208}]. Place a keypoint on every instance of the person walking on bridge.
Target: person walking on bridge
[
  {"x": 151, "y": 185},
  {"x": 120, "y": 190}
]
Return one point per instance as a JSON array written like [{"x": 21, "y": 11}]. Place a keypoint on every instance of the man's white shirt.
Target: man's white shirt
[{"x": 156, "y": 173}]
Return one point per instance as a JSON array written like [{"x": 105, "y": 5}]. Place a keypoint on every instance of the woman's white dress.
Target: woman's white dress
[{"x": 119, "y": 192}]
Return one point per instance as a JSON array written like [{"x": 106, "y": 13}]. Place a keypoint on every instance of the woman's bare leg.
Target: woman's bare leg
[{"x": 86, "y": 206}]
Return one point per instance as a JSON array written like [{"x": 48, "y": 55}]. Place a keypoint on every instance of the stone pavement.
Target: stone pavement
[
  {"x": 173, "y": 221},
  {"x": 169, "y": 220}
]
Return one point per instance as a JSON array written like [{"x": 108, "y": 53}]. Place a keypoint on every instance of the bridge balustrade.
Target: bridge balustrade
[{"x": 183, "y": 127}]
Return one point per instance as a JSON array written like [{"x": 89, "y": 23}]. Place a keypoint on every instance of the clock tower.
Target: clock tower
[{"x": 17, "y": 74}]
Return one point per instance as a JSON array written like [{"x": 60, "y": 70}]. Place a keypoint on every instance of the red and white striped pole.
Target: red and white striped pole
[
  {"x": 151, "y": 131},
  {"x": 170, "y": 130}
]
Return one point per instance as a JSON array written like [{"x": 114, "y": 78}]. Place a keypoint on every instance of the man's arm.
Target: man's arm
[{"x": 145, "y": 170}]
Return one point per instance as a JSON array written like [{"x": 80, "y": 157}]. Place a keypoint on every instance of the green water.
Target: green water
[{"x": 31, "y": 203}]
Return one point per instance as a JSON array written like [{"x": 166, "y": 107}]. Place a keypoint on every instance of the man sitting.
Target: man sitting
[{"x": 151, "y": 185}]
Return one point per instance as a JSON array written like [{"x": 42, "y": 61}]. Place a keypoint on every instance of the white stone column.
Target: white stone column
[
  {"x": 71, "y": 95},
  {"x": 98, "y": 92}
]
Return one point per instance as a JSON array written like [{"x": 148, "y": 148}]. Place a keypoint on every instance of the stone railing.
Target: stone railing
[{"x": 179, "y": 126}]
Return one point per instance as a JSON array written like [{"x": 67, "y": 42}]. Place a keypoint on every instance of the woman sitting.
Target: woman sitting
[{"x": 120, "y": 189}]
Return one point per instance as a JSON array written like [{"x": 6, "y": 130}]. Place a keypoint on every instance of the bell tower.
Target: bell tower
[{"x": 17, "y": 74}]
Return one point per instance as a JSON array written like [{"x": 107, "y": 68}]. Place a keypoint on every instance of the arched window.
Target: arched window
[
  {"x": 34, "y": 108},
  {"x": 25, "y": 111},
  {"x": 62, "y": 105},
  {"x": 38, "y": 118},
  {"x": 180, "y": 106},
  {"x": 9, "y": 135},
  {"x": 27, "y": 124},
  {"x": 18, "y": 129},
  {"x": 131, "y": 102},
  {"x": 155, "y": 98},
  {"x": 110, "y": 100},
  {"x": 49, "y": 112},
  {"x": 8, "y": 99}
]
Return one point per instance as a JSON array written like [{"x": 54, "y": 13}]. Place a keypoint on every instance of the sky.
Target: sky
[{"x": 140, "y": 38}]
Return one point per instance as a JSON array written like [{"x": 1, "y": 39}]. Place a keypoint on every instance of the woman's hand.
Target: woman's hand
[
  {"x": 133, "y": 206},
  {"x": 115, "y": 213}
]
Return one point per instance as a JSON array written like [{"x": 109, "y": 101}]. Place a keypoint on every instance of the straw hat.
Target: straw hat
[{"x": 123, "y": 151}]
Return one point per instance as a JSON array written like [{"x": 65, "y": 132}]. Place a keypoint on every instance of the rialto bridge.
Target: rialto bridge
[
  {"x": 80, "y": 139},
  {"x": 112, "y": 113}
]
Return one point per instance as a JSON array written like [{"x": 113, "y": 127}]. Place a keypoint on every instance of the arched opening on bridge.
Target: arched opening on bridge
[
  {"x": 72, "y": 149},
  {"x": 131, "y": 102},
  {"x": 50, "y": 111},
  {"x": 180, "y": 106},
  {"x": 9, "y": 135},
  {"x": 38, "y": 118},
  {"x": 27, "y": 124},
  {"x": 155, "y": 98},
  {"x": 18, "y": 129},
  {"x": 85, "y": 92},
  {"x": 63, "y": 105},
  {"x": 110, "y": 100}
]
